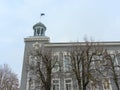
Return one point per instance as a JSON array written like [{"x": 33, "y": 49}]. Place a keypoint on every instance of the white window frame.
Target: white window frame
[
  {"x": 68, "y": 83},
  {"x": 56, "y": 64},
  {"x": 109, "y": 83},
  {"x": 56, "y": 83},
  {"x": 91, "y": 87},
  {"x": 64, "y": 66},
  {"x": 68, "y": 67}
]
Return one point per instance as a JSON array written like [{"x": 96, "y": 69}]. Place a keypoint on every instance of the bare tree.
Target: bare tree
[
  {"x": 8, "y": 79},
  {"x": 94, "y": 65},
  {"x": 111, "y": 65},
  {"x": 44, "y": 62},
  {"x": 83, "y": 57}
]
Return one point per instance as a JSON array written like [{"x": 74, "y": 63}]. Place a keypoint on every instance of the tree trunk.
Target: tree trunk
[
  {"x": 48, "y": 79},
  {"x": 79, "y": 84},
  {"x": 117, "y": 85},
  {"x": 47, "y": 87},
  {"x": 84, "y": 87}
]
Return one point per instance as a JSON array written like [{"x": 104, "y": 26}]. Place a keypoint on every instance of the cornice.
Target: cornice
[
  {"x": 36, "y": 38},
  {"x": 82, "y": 44}
]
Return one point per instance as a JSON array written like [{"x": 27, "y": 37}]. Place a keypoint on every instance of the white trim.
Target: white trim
[
  {"x": 109, "y": 84},
  {"x": 68, "y": 83},
  {"x": 64, "y": 64},
  {"x": 57, "y": 83}
]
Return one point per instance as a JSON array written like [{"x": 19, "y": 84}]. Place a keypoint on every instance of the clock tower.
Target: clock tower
[{"x": 38, "y": 37}]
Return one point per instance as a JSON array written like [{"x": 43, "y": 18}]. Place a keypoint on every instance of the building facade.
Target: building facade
[{"x": 62, "y": 79}]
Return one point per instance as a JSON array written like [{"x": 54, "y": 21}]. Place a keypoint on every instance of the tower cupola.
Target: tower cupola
[{"x": 39, "y": 29}]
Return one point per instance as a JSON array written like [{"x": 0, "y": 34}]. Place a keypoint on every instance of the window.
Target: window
[
  {"x": 56, "y": 62},
  {"x": 96, "y": 62},
  {"x": 107, "y": 84},
  {"x": 115, "y": 60},
  {"x": 68, "y": 84},
  {"x": 66, "y": 63},
  {"x": 94, "y": 86},
  {"x": 32, "y": 61},
  {"x": 92, "y": 63},
  {"x": 56, "y": 84},
  {"x": 38, "y": 31}
]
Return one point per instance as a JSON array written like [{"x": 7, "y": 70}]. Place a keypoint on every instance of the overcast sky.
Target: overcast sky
[{"x": 66, "y": 20}]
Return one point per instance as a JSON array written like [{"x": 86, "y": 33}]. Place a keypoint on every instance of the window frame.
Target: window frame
[
  {"x": 57, "y": 62},
  {"x": 109, "y": 83},
  {"x": 68, "y": 83},
  {"x": 66, "y": 58},
  {"x": 56, "y": 83}
]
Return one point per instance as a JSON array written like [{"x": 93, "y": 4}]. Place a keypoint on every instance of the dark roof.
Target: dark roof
[{"x": 39, "y": 24}]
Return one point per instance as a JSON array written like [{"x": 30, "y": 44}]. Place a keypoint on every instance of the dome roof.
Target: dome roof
[{"x": 39, "y": 24}]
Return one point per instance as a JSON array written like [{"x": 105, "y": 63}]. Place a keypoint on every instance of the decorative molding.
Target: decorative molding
[{"x": 36, "y": 38}]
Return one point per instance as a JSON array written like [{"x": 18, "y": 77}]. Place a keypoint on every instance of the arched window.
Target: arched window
[{"x": 38, "y": 31}]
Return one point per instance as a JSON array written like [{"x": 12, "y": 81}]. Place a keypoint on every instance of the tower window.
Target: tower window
[{"x": 38, "y": 31}]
